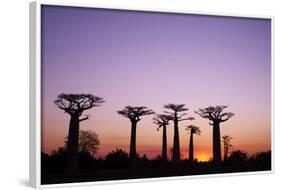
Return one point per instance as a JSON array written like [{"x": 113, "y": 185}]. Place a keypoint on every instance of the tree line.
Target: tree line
[{"x": 76, "y": 104}]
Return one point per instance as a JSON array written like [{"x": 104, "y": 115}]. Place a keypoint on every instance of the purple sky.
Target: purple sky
[{"x": 142, "y": 58}]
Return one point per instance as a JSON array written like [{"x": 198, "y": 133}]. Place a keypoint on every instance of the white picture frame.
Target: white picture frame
[{"x": 35, "y": 90}]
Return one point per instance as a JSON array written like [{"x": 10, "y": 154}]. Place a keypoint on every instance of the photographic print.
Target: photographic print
[{"x": 136, "y": 94}]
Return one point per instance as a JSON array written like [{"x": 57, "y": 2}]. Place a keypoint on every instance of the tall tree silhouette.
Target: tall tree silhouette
[
  {"x": 192, "y": 130},
  {"x": 162, "y": 120},
  {"x": 75, "y": 105},
  {"x": 134, "y": 113},
  {"x": 177, "y": 117},
  {"x": 216, "y": 116},
  {"x": 226, "y": 145}
]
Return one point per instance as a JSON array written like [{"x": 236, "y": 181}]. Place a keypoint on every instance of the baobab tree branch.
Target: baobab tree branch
[
  {"x": 223, "y": 120},
  {"x": 228, "y": 116},
  {"x": 124, "y": 113},
  {"x": 180, "y": 116},
  {"x": 202, "y": 114},
  {"x": 223, "y": 114},
  {"x": 189, "y": 118},
  {"x": 83, "y": 119},
  {"x": 94, "y": 102},
  {"x": 138, "y": 119},
  {"x": 212, "y": 116}
]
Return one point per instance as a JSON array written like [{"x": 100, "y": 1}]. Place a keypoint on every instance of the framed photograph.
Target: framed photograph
[{"x": 133, "y": 95}]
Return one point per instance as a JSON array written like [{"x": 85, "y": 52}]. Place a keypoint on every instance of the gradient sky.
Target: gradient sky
[{"x": 150, "y": 59}]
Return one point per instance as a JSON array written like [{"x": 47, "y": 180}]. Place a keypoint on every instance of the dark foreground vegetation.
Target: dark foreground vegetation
[{"x": 116, "y": 166}]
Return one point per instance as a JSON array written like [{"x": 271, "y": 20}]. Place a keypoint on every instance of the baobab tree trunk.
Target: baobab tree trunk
[
  {"x": 72, "y": 145},
  {"x": 176, "y": 148},
  {"x": 164, "y": 144},
  {"x": 191, "y": 157},
  {"x": 216, "y": 144},
  {"x": 133, "y": 153}
]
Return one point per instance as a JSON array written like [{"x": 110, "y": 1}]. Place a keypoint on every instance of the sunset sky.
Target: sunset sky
[{"x": 151, "y": 59}]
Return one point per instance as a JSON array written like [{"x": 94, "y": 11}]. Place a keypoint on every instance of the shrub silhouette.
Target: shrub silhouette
[
  {"x": 261, "y": 158},
  {"x": 237, "y": 157},
  {"x": 88, "y": 142},
  {"x": 117, "y": 159}
]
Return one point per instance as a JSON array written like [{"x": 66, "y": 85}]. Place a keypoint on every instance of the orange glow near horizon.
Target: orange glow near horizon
[{"x": 203, "y": 157}]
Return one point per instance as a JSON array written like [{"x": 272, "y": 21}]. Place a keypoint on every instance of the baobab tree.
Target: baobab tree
[
  {"x": 75, "y": 105},
  {"x": 226, "y": 144},
  {"x": 216, "y": 116},
  {"x": 162, "y": 120},
  {"x": 192, "y": 130},
  {"x": 177, "y": 117},
  {"x": 134, "y": 113}
]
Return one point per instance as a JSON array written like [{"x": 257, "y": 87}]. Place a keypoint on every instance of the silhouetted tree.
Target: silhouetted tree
[
  {"x": 162, "y": 120},
  {"x": 75, "y": 105},
  {"x": 88, "y": 142},
  {"x": 216, "y": 116},
  {"x": 177, "y": 117},
  {"x": 192, "y": 130},
  {"x": 226, "y": 144},
  {"x": 134, "y": 113}
]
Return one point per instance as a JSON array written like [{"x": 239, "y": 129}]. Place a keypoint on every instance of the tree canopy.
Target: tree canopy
[
  {"x": 176, "y": 108},
  {"x": 161, "y": 120},
  {"x": 215, "y": 113},
  {"x": 77, "y": 103},
  {"x": 135, "y": 112},
  {"x": 193, "y": 129}
]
